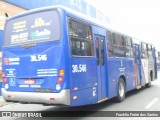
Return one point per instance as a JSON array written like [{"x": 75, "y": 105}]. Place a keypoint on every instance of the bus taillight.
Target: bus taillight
[
  {"x": 4, "y": 80},
  {"x": 60, "y": 79},
  {"x": 3, "y": 74},
  {"x": 58, "y": 86},
  {"x": 61, "y": 72}
]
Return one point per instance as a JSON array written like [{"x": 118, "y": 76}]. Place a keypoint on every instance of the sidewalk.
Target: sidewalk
[{"x": 3, "y": 102}]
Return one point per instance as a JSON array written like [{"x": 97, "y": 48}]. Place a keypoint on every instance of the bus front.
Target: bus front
[{"x": 33, "y": 58}]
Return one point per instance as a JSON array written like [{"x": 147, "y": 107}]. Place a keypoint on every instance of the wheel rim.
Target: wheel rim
[{"x": 121, "y": 89}]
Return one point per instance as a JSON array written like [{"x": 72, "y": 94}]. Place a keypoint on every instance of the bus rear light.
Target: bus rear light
[
  {"x": 58, "y": 86},
  {"x": 3, "y": 74},
  {"x": 60, "y": 79},
  {"x": 6, "y": 86},
  {"x": 61, "y": 72},
  {"x": 4, "y": 80},
  {"x": 75, "y": 97}
]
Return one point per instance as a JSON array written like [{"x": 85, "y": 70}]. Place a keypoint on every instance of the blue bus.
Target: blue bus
[{"x": 57, "y": 56}]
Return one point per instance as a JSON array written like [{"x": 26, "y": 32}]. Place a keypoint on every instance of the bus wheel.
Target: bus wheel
[
  {"x": 149, "y": 83},
  {"x": 121, "y": 90}
]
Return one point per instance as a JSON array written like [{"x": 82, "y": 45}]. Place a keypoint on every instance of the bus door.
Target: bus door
[
  {"x": 137, "y": 66},
  {"x": 100, "y": 47}
]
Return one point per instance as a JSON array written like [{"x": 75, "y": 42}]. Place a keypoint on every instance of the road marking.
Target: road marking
[{"x": 152, "y": 103}]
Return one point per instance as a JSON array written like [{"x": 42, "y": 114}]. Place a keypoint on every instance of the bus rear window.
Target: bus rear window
[{"x": 37, "y": 27}]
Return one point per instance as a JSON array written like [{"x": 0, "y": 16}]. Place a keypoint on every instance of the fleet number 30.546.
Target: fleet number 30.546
[{"x": 79, "y": 68}]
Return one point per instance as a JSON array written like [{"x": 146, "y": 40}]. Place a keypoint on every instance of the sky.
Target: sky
[{"x": 137, "y": 18}]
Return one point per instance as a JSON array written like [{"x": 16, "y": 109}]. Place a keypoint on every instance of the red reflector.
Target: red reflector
[
  {"x": 4, "y": 80},
  {"x": 51, "y": 99},
  {"x": 29, "y": 81},
  {"x": 9, "y": 96}
]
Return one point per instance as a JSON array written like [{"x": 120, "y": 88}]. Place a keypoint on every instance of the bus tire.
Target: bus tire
[
  {"x": 148, "y": 85},
  {"x": 121, "y": 90}
]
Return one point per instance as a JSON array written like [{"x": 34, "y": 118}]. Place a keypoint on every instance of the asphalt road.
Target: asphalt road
[{"x": 144, "y": 99}]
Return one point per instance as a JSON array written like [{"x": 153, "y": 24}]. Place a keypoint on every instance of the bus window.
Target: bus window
[
  {"x": 97, "y": 50},
  {"x": 129, "y": 48},
  {"x": 102, "y": 51},
  {"x": 135, "y": 54},
  {"x": 150, "y": 51},
  {"x": 81, "y": 39},
  {"x": 119, "y": 49},
  {"x": 144, "y": 50},
  {"x": 110, "y": 44},
  {"x": 33, "y": 28}
]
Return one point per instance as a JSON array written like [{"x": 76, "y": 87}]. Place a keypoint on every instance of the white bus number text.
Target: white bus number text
[{"x": 79, "y": 68}]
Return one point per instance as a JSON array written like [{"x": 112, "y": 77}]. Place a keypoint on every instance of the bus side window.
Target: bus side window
[
  {"x": 81, "y": 38},
  {"x": 150, "y": 51},
  {"x": 119, "y": 48},
  {"x": 110, "y": 44},
  {"x": 129, "y": 49},
  {"x": 144, "y": 52},
  {"x": 102, "y": 51},
  {"x": 97, "y": 50}
]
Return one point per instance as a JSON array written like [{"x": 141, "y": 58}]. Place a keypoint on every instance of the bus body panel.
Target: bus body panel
[
  {"x": 83, "y": 81},
  {"x": 120, "y": 68},
  {"x": 40, "y": 68},
  {"x": 84, "y": 96}
]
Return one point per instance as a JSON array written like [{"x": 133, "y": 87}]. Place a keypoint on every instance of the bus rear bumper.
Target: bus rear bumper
[{"x": 61, "y": 98}]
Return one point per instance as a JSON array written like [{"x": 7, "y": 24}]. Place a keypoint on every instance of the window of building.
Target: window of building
[{"x": 81, "y": 38}]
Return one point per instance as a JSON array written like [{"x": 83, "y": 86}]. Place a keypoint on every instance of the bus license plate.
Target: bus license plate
[{"x": 29, "y": 81}]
